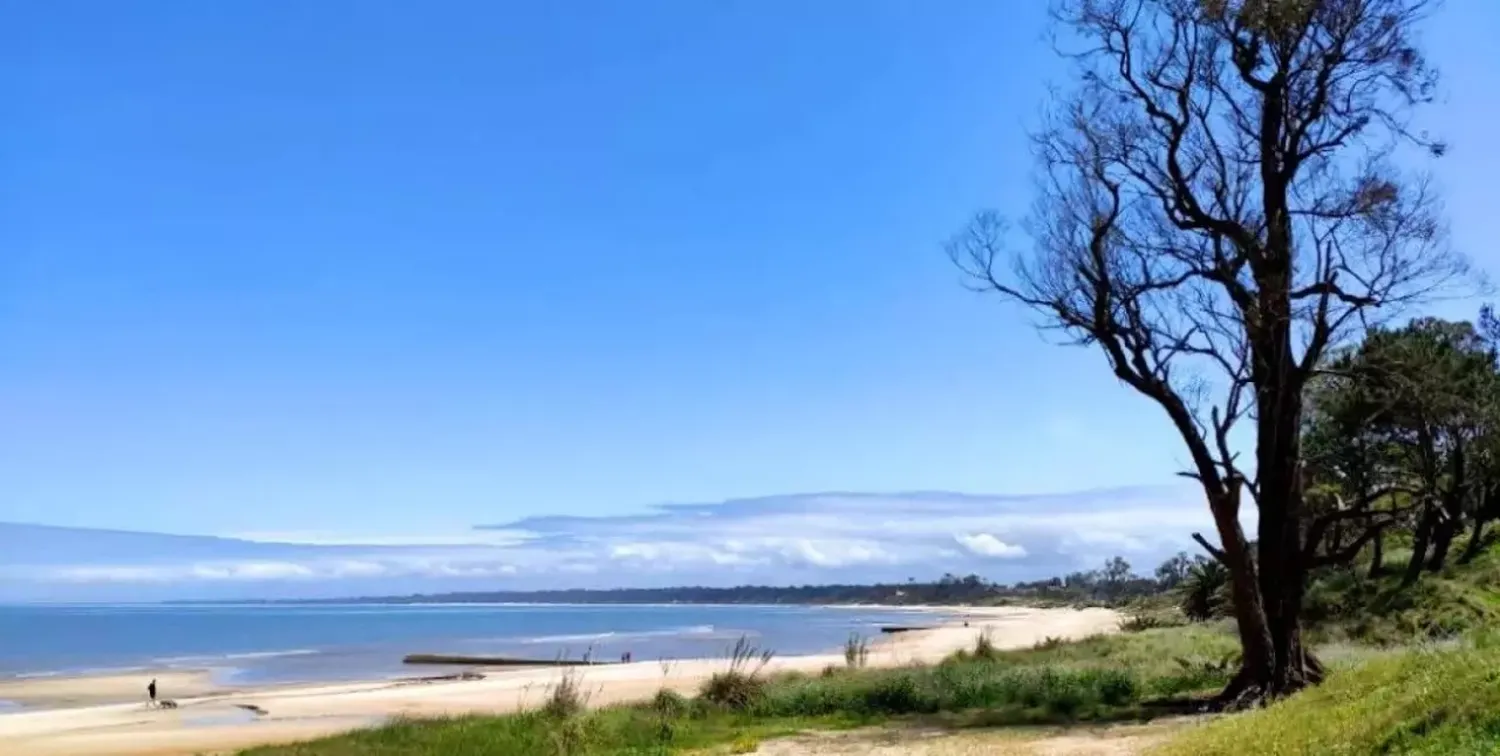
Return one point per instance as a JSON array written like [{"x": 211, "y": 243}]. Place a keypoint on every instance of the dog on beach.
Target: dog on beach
[{"x": 166, "y": 703}]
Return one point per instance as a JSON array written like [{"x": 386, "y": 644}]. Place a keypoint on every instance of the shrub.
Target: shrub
[
  {"x": 1048, "y": 643},
  {"x": 984, "y": 646},
  {"x": 1136, "y": 623},
  {"x": 1117, "y": 688},
  {"x": 897, "y": 694},
  {"x": 669, "y": 703},
  {"x": 566, "y": 697},
  {"x": 856, "y": 651},
  {"x": 742, "y": 685}
]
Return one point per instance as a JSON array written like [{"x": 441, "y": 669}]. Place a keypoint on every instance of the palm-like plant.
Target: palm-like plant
[{"x": 1204, "y": 593}]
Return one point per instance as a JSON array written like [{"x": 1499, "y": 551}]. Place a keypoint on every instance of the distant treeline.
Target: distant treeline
[{"x": 1114, "y": 583}]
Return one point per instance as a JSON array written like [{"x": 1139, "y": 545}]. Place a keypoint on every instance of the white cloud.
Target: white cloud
[
  {"x": 986, "y": 545},
  {"x": 803, "y": 538},
  {"x": 468, "y": 537},
  {"x": 263, "y": 571},
  {"x": 749, "y": 552},
  {"x": 674, "y": 555},
  {"x": 246, "y": 571},
  {"x": 1093, "y": 541}
]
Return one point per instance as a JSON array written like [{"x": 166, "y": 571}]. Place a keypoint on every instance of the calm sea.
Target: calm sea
[{"x": 278, "y": 644}]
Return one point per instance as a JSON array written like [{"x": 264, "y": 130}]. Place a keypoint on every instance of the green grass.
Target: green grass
[
  {"x": 1412, "y": 671},
  {"x": 1433, "y": 701},
  {"x": 1105, "y": 678},
  {"x": 1102, "y": 678},
  {"x": 622, "y": 731}
]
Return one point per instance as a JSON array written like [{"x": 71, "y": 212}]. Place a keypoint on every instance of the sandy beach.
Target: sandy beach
[{"x": 104, "y": 715}]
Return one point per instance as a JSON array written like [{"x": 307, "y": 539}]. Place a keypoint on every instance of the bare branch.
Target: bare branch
[
  {"x": 1213, "y": 551},
  {"x": 1218, "y": 208}
]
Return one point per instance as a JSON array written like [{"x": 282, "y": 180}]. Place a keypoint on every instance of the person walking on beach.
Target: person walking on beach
[{"x": 151, "y": 691}]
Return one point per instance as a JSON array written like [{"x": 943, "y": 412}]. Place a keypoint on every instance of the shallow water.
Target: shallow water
[{"x": 326, "y": 643}]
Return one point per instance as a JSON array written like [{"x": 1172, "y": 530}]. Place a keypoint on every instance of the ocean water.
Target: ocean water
[{"x": 329, "y": 643}]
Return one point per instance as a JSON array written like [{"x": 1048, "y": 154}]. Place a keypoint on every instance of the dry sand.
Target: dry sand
[
  {"x": 1108, "y": 740},
  {"x": 208, "y": 721}
]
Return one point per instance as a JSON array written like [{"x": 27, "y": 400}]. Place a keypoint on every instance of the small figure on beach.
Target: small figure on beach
[
  {"x": 151, "y": 691},
  {"x": 625, "y": 658}
]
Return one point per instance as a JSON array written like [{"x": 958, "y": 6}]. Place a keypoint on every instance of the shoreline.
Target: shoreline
[
  {"x": 195, "y": 676},
  {"x": 63, "y": 689},
  {"x": 215, "y": 718}
]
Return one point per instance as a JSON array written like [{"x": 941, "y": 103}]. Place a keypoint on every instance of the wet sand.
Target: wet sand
[
  {"x": 62, "y": 691},
  {"x": 109, "y": 717}
]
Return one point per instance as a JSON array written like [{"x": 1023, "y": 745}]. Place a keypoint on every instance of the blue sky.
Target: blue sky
[{"x": 368, "y": 272}]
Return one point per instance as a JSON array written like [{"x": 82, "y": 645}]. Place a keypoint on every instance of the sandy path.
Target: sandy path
[
  {"x": 1115, "y": 740},
  {"x": 214, "y": 723}
]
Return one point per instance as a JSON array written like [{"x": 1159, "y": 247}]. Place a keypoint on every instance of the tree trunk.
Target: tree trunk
[
  {"x": 1484, "y": 512},
  {"x": 1452, "y": 518},
  {"x": 1448, "y": 520},
  {"x": 1281, "y": 565},
  {"x": 1475, "y": 542},
  {"x": 1257, "y": 650},
  {"x": 1377, "y": 555},
  {"x": 1283, "y": 577},
  {"x": 1419, "y": 546},
  {"x": 1278, "y": 382},
  {"x": 1442, "y": 542}
]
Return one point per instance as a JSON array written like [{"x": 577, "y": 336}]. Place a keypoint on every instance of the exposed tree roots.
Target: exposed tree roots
[{"x": 1249, "y": 690}]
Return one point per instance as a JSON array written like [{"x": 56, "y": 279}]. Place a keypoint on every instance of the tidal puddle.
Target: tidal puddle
[{"x": 220, "y": 718}]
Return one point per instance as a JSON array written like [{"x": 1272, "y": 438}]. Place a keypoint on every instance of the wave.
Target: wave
[
  {"x": 611, "y": 636},
  {"x": 213, "y": 658},
  {"x": 71, "y": 672}
]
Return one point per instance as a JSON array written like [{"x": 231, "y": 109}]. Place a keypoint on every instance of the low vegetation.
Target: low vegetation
[
  {"x": 856, "y": 651},
  {"x": 1100, "y": 679}
]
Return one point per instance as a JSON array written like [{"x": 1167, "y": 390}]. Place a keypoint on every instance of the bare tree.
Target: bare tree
[{"x": 1219, "y": 204}]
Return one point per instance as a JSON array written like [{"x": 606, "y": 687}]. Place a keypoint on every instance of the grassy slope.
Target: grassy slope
[
  {"x": 1422, "y": 702},
  {"x": 1440, "y": 696},
  {"x": 1460, "y": 599}
]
